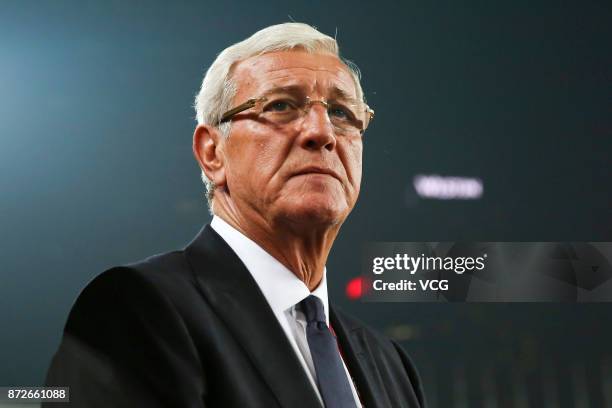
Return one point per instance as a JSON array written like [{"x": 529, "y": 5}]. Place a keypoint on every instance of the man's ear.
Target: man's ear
[{"x": 208, "y": 150}]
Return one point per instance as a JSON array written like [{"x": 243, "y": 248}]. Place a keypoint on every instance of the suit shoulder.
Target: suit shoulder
[
  {"x": 158, "y": 280},
  {"x": 169, "y": 265},
  {"x": 143, "y": 300},
  {"x": 125, "y": 328},
  {"x": 163, "y": 271}
]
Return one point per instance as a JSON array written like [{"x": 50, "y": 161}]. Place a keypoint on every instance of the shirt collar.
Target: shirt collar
[{"x": 281, "y": 288}]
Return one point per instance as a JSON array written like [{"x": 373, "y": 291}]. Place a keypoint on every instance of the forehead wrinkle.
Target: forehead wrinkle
[
  {"x": 336, "y": 89},
  {"x": 333, "y": 71},
  {"x": 260, "y": 71},
  {"x": 336, "y": 76}
]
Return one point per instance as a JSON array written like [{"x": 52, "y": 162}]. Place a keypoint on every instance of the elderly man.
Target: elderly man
[{"x": 240, "y": 317}]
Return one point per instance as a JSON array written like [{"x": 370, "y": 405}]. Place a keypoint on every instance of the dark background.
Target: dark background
[{"x": 96, "y": 166}]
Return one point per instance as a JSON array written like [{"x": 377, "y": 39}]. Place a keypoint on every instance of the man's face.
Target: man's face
[{"x": 302, "y": 173}]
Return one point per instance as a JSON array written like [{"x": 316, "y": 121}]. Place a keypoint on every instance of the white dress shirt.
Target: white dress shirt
[{"x": 283, "y": 291}]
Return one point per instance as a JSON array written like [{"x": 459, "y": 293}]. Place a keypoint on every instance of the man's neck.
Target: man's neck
[{"x": 302, "y": 249}]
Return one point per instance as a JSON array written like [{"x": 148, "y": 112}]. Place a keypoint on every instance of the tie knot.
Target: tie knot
[{"x": 312, "y": 307}]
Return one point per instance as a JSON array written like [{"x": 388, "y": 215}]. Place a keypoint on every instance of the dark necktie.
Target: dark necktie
[{"x": 331, "y": 377}]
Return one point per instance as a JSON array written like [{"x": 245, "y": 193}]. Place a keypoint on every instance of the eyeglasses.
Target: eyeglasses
[{"x": 347, "y": 117}]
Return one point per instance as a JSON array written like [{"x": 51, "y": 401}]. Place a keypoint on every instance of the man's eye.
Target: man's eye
[
  {"x": 279, "y": 106},
  {"x": 339, "y": 112}
]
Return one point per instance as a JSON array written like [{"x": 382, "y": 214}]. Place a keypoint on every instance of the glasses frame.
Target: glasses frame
[{"x": 254, "y": 101}]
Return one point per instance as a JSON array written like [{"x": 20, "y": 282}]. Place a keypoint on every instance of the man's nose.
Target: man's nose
[{"x": 317, "y": 131}]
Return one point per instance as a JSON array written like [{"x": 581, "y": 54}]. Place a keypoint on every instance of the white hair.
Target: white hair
[{"x": 218, "y": 88}]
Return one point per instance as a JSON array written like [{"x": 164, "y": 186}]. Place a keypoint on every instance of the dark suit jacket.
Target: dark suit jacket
[{"x": 191, "y": 329}]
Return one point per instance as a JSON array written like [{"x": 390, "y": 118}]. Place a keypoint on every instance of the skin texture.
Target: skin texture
[{"x": 272, "y": 182}]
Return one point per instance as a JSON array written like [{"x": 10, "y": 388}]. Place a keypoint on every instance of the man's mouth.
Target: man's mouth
[{"x": 317, "y": 170}]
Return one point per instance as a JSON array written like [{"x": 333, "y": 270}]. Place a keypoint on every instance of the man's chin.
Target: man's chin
[{"x": 316, "y": 214}]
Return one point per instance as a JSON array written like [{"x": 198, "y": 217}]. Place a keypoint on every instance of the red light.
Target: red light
[{"x": 354, "y": 288}]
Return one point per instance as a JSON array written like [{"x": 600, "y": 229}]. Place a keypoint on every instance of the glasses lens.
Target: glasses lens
[
  {"x": 281, "y": 109},
  {"x": 346, "y": 116}
]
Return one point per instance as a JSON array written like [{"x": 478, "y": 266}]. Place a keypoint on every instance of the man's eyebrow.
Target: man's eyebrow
[
  {"x": 340, "y": 93},
  {"x": 292, "y": 89}
]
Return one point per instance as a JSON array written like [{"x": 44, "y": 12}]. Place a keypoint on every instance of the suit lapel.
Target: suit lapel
[
  {"x": 235, "y": 296},
  {"x": 356, "y": 356}
]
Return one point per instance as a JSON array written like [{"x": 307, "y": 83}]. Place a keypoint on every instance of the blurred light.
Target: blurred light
[
  {"x": 354, "y": 288},
  {"x": 448, "y": 188}
]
